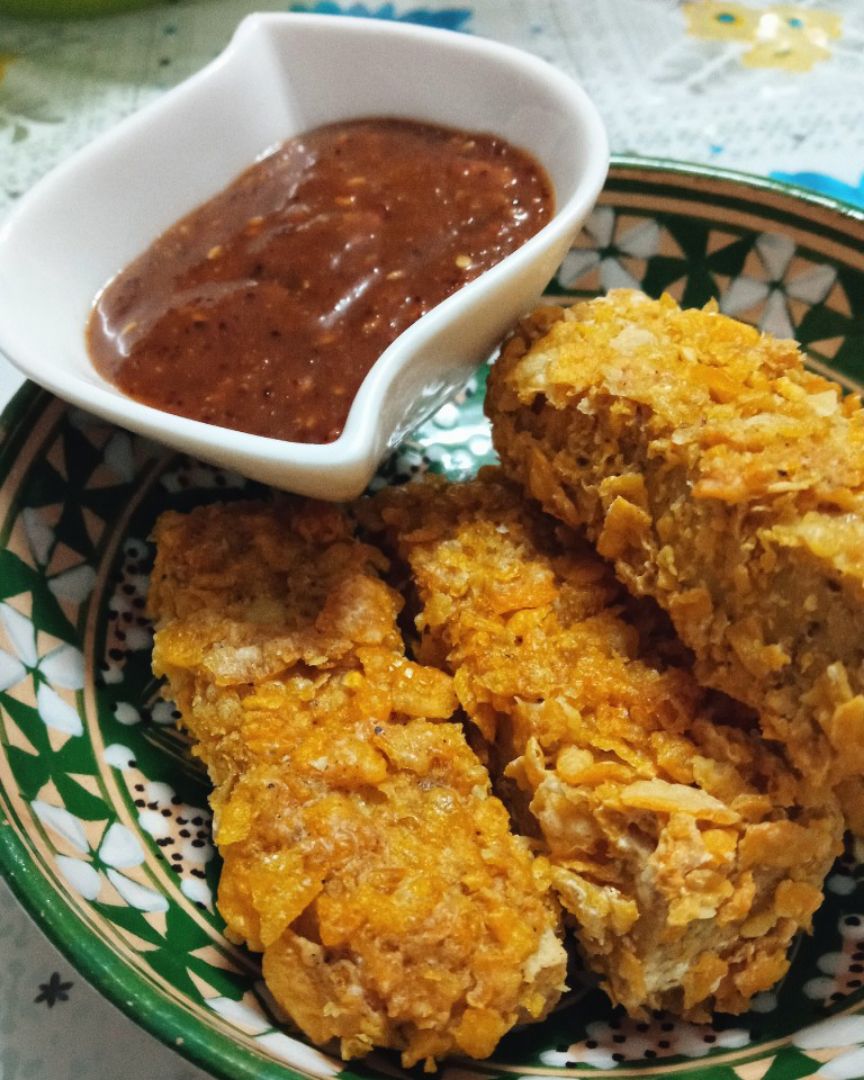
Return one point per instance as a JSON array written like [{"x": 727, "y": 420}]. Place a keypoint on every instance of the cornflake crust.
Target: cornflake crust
[
  {"x": 364, "y": 854},
  {"x": 722, "y": 479},
  {"x": 685, "y": 849}
]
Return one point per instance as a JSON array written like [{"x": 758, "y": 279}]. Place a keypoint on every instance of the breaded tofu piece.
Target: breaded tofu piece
[
  {"x": 685, "y": 849},
  {"x": 364, "y": 854},
  {"x": 722, "y": 479}
]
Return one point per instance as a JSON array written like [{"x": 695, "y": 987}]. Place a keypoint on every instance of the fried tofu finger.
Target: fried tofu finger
[
  {"x": 685, "y": 849},
  {"x": 722, "y": 479},
  {"x": 364, "y": 854}
]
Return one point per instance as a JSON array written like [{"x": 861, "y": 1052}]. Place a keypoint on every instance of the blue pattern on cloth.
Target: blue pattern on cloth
[
  {"x": 447, "y": 19},
  {"x": 826, "y": 185}
]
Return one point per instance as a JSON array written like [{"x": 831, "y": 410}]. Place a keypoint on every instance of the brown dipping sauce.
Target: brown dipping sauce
[{"x": 264, "y": 309}]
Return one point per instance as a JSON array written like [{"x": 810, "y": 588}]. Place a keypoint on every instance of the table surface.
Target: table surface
[{"x": 772, "y": 89}]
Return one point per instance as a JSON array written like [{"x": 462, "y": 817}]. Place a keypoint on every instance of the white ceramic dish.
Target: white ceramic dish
[{"x": 280, "y": 75}]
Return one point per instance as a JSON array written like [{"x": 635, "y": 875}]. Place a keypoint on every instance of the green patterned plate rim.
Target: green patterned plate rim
[{"x": 104, "y": 830}]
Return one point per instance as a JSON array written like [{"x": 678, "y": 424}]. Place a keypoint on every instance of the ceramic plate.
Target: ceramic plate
[{"x": 104, "y": 827}]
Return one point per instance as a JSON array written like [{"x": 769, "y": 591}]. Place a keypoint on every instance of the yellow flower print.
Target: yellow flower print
[
  {"x": 780, "y": 35},
  {"x": 717, "y": 21},
  {"x": 794, "y": 38}
]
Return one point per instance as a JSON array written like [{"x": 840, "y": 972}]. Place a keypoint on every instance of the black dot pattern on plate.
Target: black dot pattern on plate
[
  {"x": 620, "y": 1039},
  {"x": 128, "y": 627},
  {"x": 181, "y": 832},
  {"x": 191, "y": 475},
  {"x": 842, "y": 970}
]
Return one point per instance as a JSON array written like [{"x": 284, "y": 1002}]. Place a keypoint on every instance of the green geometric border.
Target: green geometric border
[{"x": 687, "y": 172}]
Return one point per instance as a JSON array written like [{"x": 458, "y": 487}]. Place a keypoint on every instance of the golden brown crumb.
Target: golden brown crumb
[
  {"x": 363, "y": 852},
  {"x": 722, "y": 479},
  {"x": 686, "y": 850}
]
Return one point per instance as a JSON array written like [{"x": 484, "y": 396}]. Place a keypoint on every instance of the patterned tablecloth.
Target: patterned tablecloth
[{"x": 769, "y": 88}]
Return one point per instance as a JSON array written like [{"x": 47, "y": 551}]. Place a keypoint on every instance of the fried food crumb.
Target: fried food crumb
[
  {"x": 685, "y": 849},
  {"x": 722, "y": 479},
  {"x": 364, "y": 853}
]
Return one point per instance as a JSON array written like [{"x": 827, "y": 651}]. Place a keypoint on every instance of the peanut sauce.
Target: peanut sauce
[{"x": 264, "y": 308}]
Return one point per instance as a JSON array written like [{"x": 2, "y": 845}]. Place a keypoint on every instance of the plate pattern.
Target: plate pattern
[{"x": 104, "y": 827}]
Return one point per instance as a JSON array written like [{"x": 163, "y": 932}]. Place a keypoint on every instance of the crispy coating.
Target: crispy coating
[
  {"x": 363, "y": 852},
  {"x": 685, "y": 849},
  {"x": 725, "y": 481}
]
